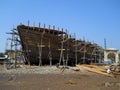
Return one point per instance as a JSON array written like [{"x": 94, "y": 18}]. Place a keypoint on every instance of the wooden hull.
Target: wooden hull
[
  {"x": 46, "y": 44},
  {"x": 35, "y": 40}
]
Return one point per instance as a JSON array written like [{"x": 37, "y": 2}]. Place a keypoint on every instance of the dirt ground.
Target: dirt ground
[{"x": 61, "y": 81}]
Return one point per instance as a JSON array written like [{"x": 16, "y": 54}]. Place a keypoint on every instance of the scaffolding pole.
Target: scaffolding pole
[{"x": 49, "y": 54}]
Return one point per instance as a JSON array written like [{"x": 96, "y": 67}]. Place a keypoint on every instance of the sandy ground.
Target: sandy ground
[{"x": 57, "y": 80}]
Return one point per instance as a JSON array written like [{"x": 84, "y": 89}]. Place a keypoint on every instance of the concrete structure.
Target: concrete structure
[{"x": 111, "y": 50}]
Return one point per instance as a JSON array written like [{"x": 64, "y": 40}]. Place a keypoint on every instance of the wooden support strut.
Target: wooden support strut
[
  {"x": 53, "y": 29},
  {"x": 33, "y": 25},
  {"x": 61, "y": 53},
  {"x": 40, "y": 52},
  {"x": 49, "y": 29},
  {"x": 49, "y": 54},
  {"x": 76, "y": 52},
  {"x": 84, "y": 56},
  {"x": 44, "y": 27},
  {"x": 58, "y": 30},
  {"x": 28, "y": 24},
  {"x": 39, "y": 26}
]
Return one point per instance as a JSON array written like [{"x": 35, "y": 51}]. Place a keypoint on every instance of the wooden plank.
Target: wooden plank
[{"x": 95, "y": 69}]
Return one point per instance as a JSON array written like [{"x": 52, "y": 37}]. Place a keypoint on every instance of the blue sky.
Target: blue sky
[{"x": 92, "y": 19}]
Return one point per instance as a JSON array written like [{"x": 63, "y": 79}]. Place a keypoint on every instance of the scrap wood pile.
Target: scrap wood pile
[{"x": 96, "y": 69}]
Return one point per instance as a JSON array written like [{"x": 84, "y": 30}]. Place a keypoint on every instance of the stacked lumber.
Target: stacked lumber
[{"x": 95, "y": 69}]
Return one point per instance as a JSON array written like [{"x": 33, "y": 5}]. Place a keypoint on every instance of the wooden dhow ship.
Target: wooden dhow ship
[{"x": 43, "y": 46}]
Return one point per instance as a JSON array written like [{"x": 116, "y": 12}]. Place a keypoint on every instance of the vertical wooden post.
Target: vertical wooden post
[
  {"x": 20, "y": 23},
  {"x": 76, "y": 52},
  {"x": 95, "y": 59},
  {"x": 53, "y": 29},
  {"x": 11, "y": 43},
  {"x": 33, "y": 25},
  {"x": 100, "y": 56},
  {"x": 39, "y": 26},
  {"x": 44, "y": 27},
  {"x": 27, "y": 54},
  {"x": 84, "y": 56},
  {"x": 67, "y": 52},
  {"x": 49, "y": 28},
  {"x": 75, "y": 49},
  {"x": 62, "y": 33},
  {"x": 92, "y": 54},
  {"x": 63, "y": 59},
  {"x": 58, "y": 30},
  {"x": 15, "y": 52},
  {"x": 61, "y": 53},
  {"x": 40, "y": 52},
  {"x": 40, "y": 48},
  {"x": 28, "y": 24},
  {"x": 49, "y": 55},
  {"x": 66, "y": 34}
]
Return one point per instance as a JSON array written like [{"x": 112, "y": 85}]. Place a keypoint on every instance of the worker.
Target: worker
[{"x": 109, "y": 71}]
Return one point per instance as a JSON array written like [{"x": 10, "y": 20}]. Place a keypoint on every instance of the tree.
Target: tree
[
  {"x": 2, "y": 54},
  {"x": 111, "y": 56},
  {"x": 8, "y": 51}
]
